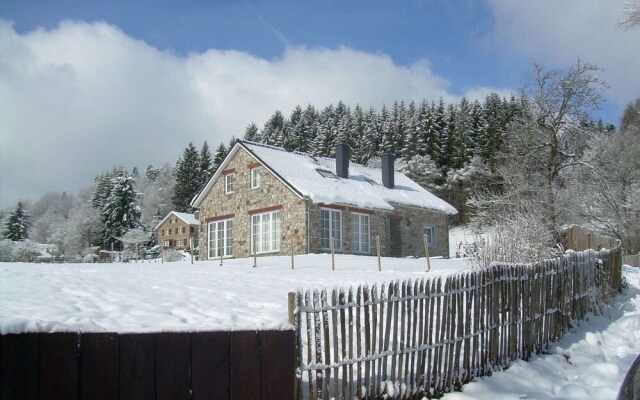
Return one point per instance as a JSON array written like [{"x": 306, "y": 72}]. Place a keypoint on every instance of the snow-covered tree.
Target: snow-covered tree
[
  {"x": 17, "y": 224},
  {"x": 542, "y": 140},
  {"x": 121, "y": 211},
  {"x": 205, "y": 168},
  {"x": 188, "y": 179}
]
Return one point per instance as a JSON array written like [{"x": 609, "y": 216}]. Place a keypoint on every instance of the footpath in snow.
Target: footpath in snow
[{"x": 588, "y": 363}]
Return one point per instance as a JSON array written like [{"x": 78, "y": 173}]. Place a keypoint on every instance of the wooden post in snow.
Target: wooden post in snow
[
  {"x": 292, "y": 306},
  {"x": 191, "y": 249},
  {"x": 255, "y": 256},
  {"x": 378, "y": 252},
  {"x": 426, "y": 252},
  {"x": 589, "y": 240},
  {"x": 333, "y": 261},
  {"x": 162, "y": 253},
  {"x": 111, "y": 255},
  {"x": 292, "y": 261}
]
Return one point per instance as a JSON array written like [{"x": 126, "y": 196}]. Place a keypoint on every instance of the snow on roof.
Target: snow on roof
[
  {"x": 188, "y": 218},
  {"x": 308, "y": 175}
]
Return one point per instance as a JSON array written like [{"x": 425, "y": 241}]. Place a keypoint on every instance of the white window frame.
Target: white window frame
[
  {"x": 165, "y": 243},
  {"x": 214, "y": 231},
  {"x": 180, "y": 242},
  {"x": 360, "y": 233},
  {"x": 256, "y": 177},
  {"x": 229, "y": 182},
  {"x": 265, "y": 232},
  {"x": 430, "y": 231},
  {"x": 333, "y": 230}
]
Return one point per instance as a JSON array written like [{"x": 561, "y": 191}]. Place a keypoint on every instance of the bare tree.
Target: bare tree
[
  {"x": 610, "y": 199},
  {"x": 552, "y": 135},
  {"x": 632, "y": 15}
]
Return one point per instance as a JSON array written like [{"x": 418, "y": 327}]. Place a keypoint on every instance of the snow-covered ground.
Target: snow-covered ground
[
  {"x": 180, "y": 296},
  {"x": 589, "y": 362}
]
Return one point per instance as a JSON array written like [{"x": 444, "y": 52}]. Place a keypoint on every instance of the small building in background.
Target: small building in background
[{"x": 177, "y": 229}]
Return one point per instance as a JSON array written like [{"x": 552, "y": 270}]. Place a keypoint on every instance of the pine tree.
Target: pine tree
[
  {"x": 251, "y": 132},
  {"x": 368, "y": 146},
  {"x": 18, "y": 224},
  {"x": 120, "y": 212},
  {"x": 188, "y": 181},
  {"x": 273, "y": 128},
  {"x": 218, "y": 157},
  {"x": 205, "y": 170}
]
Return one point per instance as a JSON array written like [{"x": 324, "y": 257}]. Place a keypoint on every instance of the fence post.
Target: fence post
[
  {"x": 426, "y": 252},
  {"x": 589, "y": 240},
  {"x": 333, "y": 260},
  {"x": 162, "y": 254},
  {"x": 255, "y": 256},
  {"x": 292, "y": 261},
  {"x": 292, "y": 306},
  {"x": 191, "y": 249},
  {"x": 378, "y": 251}
]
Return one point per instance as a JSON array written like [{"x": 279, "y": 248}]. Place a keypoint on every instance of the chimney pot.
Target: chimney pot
[
  {"x": 342, "y": 160},
  {"x": 387, "y": 171}
]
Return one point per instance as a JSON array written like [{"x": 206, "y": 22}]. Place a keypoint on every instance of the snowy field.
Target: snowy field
[
  {"x": 179, "y": 296},
  {"x": 589, "y": 362}
]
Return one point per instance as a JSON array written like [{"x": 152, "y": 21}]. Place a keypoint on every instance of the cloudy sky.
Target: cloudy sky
[{"x": 86, "y": 85}]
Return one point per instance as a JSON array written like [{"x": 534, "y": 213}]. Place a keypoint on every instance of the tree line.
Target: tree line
[{"x": 537, "y": 155}]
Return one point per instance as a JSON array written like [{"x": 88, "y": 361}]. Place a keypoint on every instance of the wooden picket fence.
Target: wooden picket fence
[{"x": 406, "y": 340}]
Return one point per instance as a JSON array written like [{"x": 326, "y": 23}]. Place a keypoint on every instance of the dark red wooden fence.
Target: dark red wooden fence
[{"x": 182, "y": 365}]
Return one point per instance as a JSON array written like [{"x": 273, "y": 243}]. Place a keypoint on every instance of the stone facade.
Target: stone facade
[
  {"x": 410, "y": 223},
  {"x": 400, "y": 231},
  {"x": 243, "y": 202},
  {"x": 175, "y": 233}
]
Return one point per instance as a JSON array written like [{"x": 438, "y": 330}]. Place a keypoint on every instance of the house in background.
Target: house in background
[
  {"x": 176, "y": 229},
  {"x": 265, "y": 199}
]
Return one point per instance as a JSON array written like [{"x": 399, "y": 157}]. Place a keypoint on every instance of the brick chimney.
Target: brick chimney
[
  {"x": 387, "y": 171},
  {"x": 342, "y": 160}
]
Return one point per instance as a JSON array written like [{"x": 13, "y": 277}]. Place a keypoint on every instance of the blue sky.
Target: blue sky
[
  {"x": 131, "y": 83},
  {"x": 448, "y": 34}
]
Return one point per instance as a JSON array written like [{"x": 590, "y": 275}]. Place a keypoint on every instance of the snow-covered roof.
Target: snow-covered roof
[
  {"x": 307, "y": 175},
  {"x": 187, "y": 218}
]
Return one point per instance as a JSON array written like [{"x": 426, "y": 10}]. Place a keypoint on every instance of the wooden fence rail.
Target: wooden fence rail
[
  {"x": 410, "y": 339},
  {"x": 182, "y": 365}
]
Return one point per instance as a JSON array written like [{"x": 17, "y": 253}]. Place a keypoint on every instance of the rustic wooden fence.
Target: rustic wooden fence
[
  {"x": 633, "y": 260},
  {"x": 182, "y": 365},
  {"x": 578, "y": 239},
  {"x": 423, "y": 338}
]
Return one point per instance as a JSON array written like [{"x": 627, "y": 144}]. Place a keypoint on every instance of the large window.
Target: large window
[
  {"x": 229, "y": 181},
  {"x": 255, "y": 178},
  {"x": 220, "y": 238},
  {"x": 360, "y": 233},
  {"x": 430, "y": 231},
  {"x": 331, "y": 227},
  {"x": 265, "y": 232}
]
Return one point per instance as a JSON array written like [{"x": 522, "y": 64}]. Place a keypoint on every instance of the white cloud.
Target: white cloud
[
  {"x": 558, "y": 33},
  {"x": 82, "y": 98}
]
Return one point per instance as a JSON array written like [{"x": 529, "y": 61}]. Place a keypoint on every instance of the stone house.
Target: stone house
[
  {"x": 177, "y": 229},
  {"x": 265, "y": 199}
]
